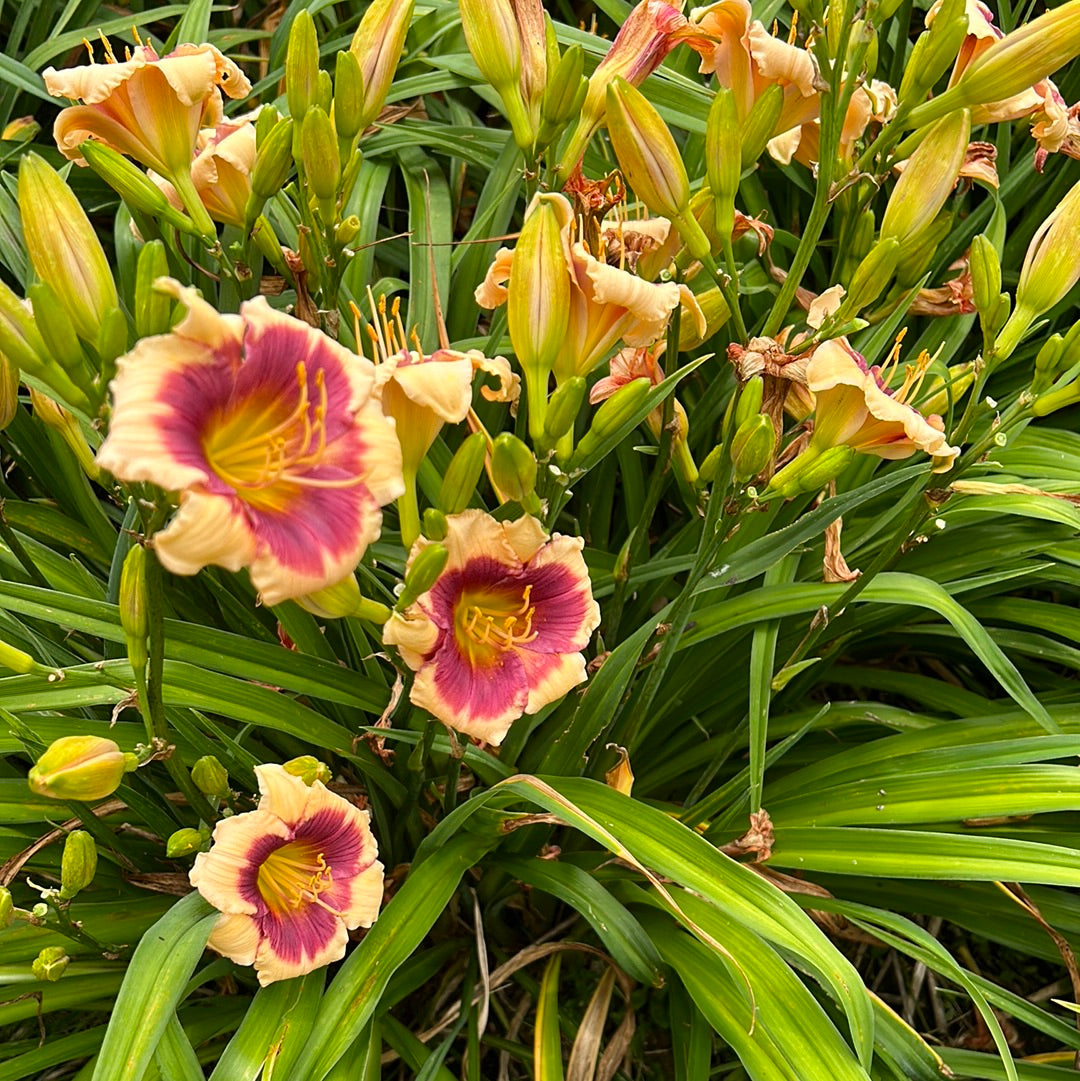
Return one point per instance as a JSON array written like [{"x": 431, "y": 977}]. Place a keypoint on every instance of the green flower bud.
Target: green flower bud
[
  {"x": 58, "y": 330},
  {"x": 871, "y": 276},
  {"x": 153, "y": 308},
  {"x": 493, "y": 38},
  {"x": 67, "y": 427},
  {"x": 324, "y": 94},
  {"x": 265, "y": 123},
  {"x": 322, "y": 163},
  {"x": 752, "y": 446},
  {"x": 309, "y": 769},
  {"x": 564, "y": 94},
  {"x": 749, "y": 404},
  {"x": 134, "y": 186},
  {"x": 23, "y": 129},
  {"x": 612, "y": 415},
  {"x": 80, "y": 768},
  {"x": 341, "y": 600},
  {"x": 78, "y": 863},
  {"x": 714, "y": 307},
  {"x": 377, "y": 44},
  {"x": 7, "y": 908},
  {"x": 563, "y": 408},
  {"x": 918, "y": 252},
  {"x": 9, "y": 391},
  {"x": 50, "y": 963},
  {"x": 513, "y": 468},
  {"x": 463, "y": 474},
  {"x": 112, "y": 340},
  {"x": 348, "y": 96},
  {"x": 985, "y": 273},
  {"x": 20, "y": 339},
  {"x": 273, "y": 161},
  {"x": 132, "y": 601},
  {"x": 723, "y": 157},
  {"x": 811, "y": 472},
  {"x": 426, "y": 567},
  {"x": 346, "y": 231},
  {"x": 435, "y": 527},
  {"x": 210, "y": 776},
  {"x": 934, "y": 52},
  {"x": 760, "y": 124},
  {"x": 184, "y": 842},
  {"x": 302, "y": 65}
]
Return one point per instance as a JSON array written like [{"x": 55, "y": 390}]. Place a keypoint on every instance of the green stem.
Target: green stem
[
  {"x": 536, "y": 391},
  {"x": 409, "y": 512},
  {"x": 194, "y": 205},
  {"x": 729, "y": 290}
]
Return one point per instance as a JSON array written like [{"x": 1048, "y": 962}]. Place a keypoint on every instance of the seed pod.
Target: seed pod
[
  {"x": 749, "y": 404},
  {"x": 78, "y": 863},
  {"x": 50, "y": 963},
  {"x": 210, "y": 776},
  {"x": 752, "y": 446}
]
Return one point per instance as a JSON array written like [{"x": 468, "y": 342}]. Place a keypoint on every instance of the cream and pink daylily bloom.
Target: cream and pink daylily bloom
[
  {"x": 854, "y": 407},
  {"x": 148, "y": 107},
  {"x": 271, "y": 435},
  {"x": 500, "y": 633},
  {"x": 607, "y": 303},
  {"x": 290, "y": 878}
]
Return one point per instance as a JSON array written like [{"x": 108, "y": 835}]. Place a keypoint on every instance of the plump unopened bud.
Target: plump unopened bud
[
  {"x": 934, "y": 52},
  {"x": 348, "y": 96},
  {"x": 564, "y": 407},
  {"x": 928, "y": 178},
  {"x": 433, "y": 524},
  {"x": 985, "y": 266},
  {"x": 752, "y": 446},
  {"x": 749, "y": 403},
  {"x": 80, "y": 768},
  {"x": 210, "y": 776},
  {"x": 513, "y": 467},
  {"x": 134, "y": 618},
  {"x": 63, "y": 247},
  {"x": 23, "y": 129},
  {"x": 153, "y": 308},
  {"x": 20, "y": 338},
  {"x": 184, "y": 842},
  {"x": 377, "y": 44},
  {"x": 78, "y": 864},
  {"x": 57, "y": 328},
  {"x": 565, "y": 92},
  {"x": 273, "y": 160},
  {"x": 429, "y": 563},
  {"x": 810, "y": 472},
  {"x": 918, "y": 252},
  {"x": 463, "y": 474},
  {"x": 67, "y": 427},
  {"x": 1057, "y": 354},
  {"x": 7, "y": 908},
  {"x": 309, "y": 769},
  {"x": 50, "y": 963},
  {"x": 302, "y": 65},
  {"x": 760, "y": 124},
  {"x": 339, "y": 601},
  {"x": 871, "y": 276},
  {"x": 322, "y": 162},
  {"x": 723, "y": 156},
  {"x": 611, "y": 416},
  {"x": 491, "y": 33},
  {"x": 9, "y": 391}
]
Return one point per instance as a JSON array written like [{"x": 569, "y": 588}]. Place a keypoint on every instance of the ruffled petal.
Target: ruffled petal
[
  {"x": 226, "y": 875},
  {"x": 208, "y": 529},
  {"x": 413, "y": 632},
  {"x": 441, "y": 382},
  {"x": 283, "y": 795},
  {"x": 550, "y": 676},
  {"x": 492, "y": 291},
  {"x": 526, "y": 536},
  {"x": 474, "y": 534},
  {"x": 236, "y": 937},
  {"x": 298, "y": 942},
  {"x": 566, "y": 614},
  {"x": 93, "y": 83}
]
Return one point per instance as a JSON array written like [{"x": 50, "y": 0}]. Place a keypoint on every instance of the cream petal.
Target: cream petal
[
  {"x": 283, "y": 795},
  {"x": 473, "y": 534},
  {"x": 92, "y": 83},
  {"x": 223, "y": 875},
  {"x": 509, "y": 388},
  {"x": 526, "y": 536},
  {"x": 366, "y": 896},
  {"x": 203, "y": 323},
  {"x": 778, "y": 61},
  {"x": 235, "y": 937},
  {"x": 782, "y": 147},
  {"x": 193, "y": 71},
  {"x": 382, "y": 454},
  {"x": 208, "y": 529},
  {"x": 492, "y": 291},
  {"x": 413, "y": 633},
  {"x": 550, "y": 676},
  {"x": 649, "y": 304},
  {"x": 824, "y": 305},
  {"x": 442, "y": 383}
]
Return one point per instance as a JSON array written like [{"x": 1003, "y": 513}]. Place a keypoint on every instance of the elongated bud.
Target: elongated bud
[
  {"x": 985, "y": 266},
  {"x": 723, "y": 156},
  {"x": 611, "y": 415},
  {"x": 20, "y": 338},
  {"x": 324, "y": 93},
  {"x": 184, "y": 842},
  {"x": 943, "y": 392},
  {"x": 153, "y": 308},
  {"x": 934, "y": 52},
  {"x": 811, "y": 472},
  {"x": 752, "y": 446},
  {"x": 348, "y": 96},
  {"x": 434, "y": 525},
  {"x": 538, "y": 300},
  {"x": 564, "y": 94},
  {"x": 302, "y": 65},
  {"x": 463, "y": 474},
  {"x": 132, "y": 602},
  {"x": 322, "y": 163},
  {"x": 7, "y": 908},
  {"x": 928, "y": 178},
  {"x": 378, "y": 44},
  {"x": 210, "y": 776},
  {"x": 749, "y": 404},
  {"x": 50, "y": 964},
  {"x": 63, "y": 247},
  {"x": 309, "y": 769},
  {"x": 564, "y": 407},
  {"x": 80, "y": 768},
  {"x": 273, "y": 160},
  {"x": 917, "y": 253},
  {"x": 513, "y": 467},
  {"x": 871, "y": 276},
  {"x": 342, "y": 600},
  {"x": 67, "y": 427},
  {"x": 57, "y": 328},
  {"x": 760, "y": 124},
  {"x": 421, "y": 576},
  {"x": 1055, "y": 357},
  {"x": 78, "y": 864},
  {"x": 134, "y": 186},
  {"x": 347, "y": 230},
  {"x": 9, "y": 391},
  {"x": 1051, "y": 268}
]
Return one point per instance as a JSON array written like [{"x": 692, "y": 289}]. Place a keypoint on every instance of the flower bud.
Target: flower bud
[
  {"x": 1051, "y": 268},
  {"x": 302, "y": 66},
  {"x": 23, "y": 129},
  {"x": 78, "y": 863},
  {"x": 760, "y": 124},
  {"x": 112, "y": 341},
  {"x": 9, "y": 391},
  {"x": 58, "y": 330},
  {"x": 348, "y": 96},
  {"x": 871, "y": 276},
  {"x": 273, "y": 161},
  {"x": 434, "y": 524},
  {"x": 7, "y": 908},
  {"x": 917, "y": 253},
  {"x": 132, "y": 601},
  {"x": 346, "y": 231},
  {"x": 309, "y": 769},
  {"x": 985, "y": 266},
  {"x": 563, "y": 408},
  {"x": 20, "y": 338},
  {"x": 538, "y": 300},
  {"x": 322, "y": 163},
  {"x": 265, "y": 121},
  {"x": 934, "y": 52},
  {"x": 338, "y": 601},
  {"x": 134, "y": 186},
  {"x": 810, "y": 472},
  {"x": 421, "y": 575},
  {"x": 68, "y": 428},
  {"x": 714, "y": 307},
  {"x": 513, "y": 468},
  {"x": 153, "y": 308},
  {"x": 749, "y": 404},
  {"x": 564, "y": 94},
  {"x": 50, "y": 963},
  {"x": 63, "y": 247},
  {"x": 184, "y": 842},
  {"x": 210, "y": 776},
  {"x": 928, "y": 178},
  {"x": 377, "y": 44},
  {"x": 613, "y": 414},
  {"x": 462, "y": 474},
  {"x": 80, "y": 768},
  {"x": 324, "y": 94},
  {"x": 752, "y": 446},
  {"x": 723, "y": 156}
]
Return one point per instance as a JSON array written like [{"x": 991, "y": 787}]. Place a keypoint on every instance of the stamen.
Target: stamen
[
  {"x": 384, "y": 349},
  {"x": 89, "y": 49},
  {"x": 110, "y": 58},
  {"x": 487, "y": 626}
]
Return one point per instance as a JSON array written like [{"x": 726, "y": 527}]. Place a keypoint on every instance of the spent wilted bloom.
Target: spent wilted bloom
[
  {"x": 501, "y": 630},
  {"x": 148, "y": 107},
  {"x": 269, "y": 432},
  {"x": 290, "y": 878}
]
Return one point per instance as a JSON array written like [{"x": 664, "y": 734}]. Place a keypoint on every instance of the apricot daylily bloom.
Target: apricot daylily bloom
[
  {"x": 853, "y": 407},
  {"x": 148, "y": 107},
  {"x": 290, "y": 878},
  {"x": 271, "y": 435},
  {"x": 607, "y": 303},
  {"x": 500, "y": 632},
  {"x": 221, "y": 171}
]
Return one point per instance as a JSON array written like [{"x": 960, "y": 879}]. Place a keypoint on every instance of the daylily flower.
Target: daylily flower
[
  {"x": 148, "y": 107},
  {"x": 269, "y": 432},
  {"x": 500, "y": 632},
  {"x": 607, "y": 303},
  {"x": 221, "y": 171},
  {"x": 854, "y": 407},
  {"x": 290, "y": 878}
]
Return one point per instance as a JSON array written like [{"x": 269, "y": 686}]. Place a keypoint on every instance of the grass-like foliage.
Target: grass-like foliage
[{"x": 539, "y": 541}]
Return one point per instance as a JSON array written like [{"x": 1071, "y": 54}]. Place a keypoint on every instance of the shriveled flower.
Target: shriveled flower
[
  {"x": 148, "y": 107},
  {"x": 607, "y": 303},
  {"x": 854, "y": 407},
  {"x": 221, "y": 171},
  {"x": 290, "y": 878},
  {"x": 269, "y": 432},
  {"x": 500, "y": 632}
]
